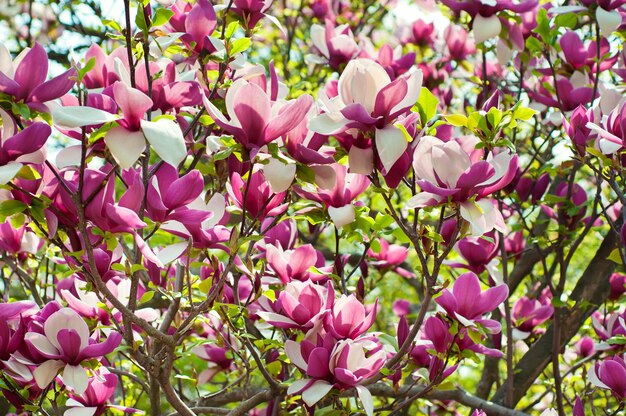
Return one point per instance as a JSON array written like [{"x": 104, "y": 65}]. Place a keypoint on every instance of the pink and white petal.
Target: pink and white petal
[
  {"x": 167, "y": 139},
  {"x": 42, "y": 344},
  {"x": 70, "y": 156},
  {"x": 279, "y": 175},
  {"x": 593, "y": 378},
  {"x": 125, "y": 146},
  {"x": 327, "y": 124},
  {"x": 316, "y": 392},
  {"x": 78, "y": 116},
  {"x": 343, "y": 215},
  {"x": 75, "y": 376},
  {"x": 414, "y": 87},
  {"x": 8, "y": 172},
  {"x": 172, "y": 252},
  {"x": 276, "y": 319},
  {"x": 46, "y": 372},
  {"x": 424, "y": 199},
  {"x": 146, "y": 250},
  {"x": 298, "y": 386},
  {"x": 292, "y": 350},
  {"x": 361, "y": 161},
  {"x": 325, "y": 176},
  {"x": 391, "y": 144},
  {"x": 366, "y": 400}
]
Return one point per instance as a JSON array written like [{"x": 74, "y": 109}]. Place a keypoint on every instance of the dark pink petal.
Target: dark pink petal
[
  {"x": 253, "y": 110},
  {"x": 479, "y": 172},
  {"x": 466, "y": 291},
  {"x": 390, "y": 96},
  {"x": 124, "y": 217},
  {"x": 97, "y": 350},
  {"x": 55, "y": 88},
  {"x": 8, "y": 86},
  {"x": 491, "y": 298},
  {"x": 133, "y": 104},
  {"x": 32, "y": 70},
  {"x": 183, "y": 190},
  {"x": 573, "y": 49},
  {"x": 613, "y": 374},
  {"x": 318, "y": 363},
  {"x": 69, "y": 341},
  {"x": 29, "y": 140},
  {"x": 200, "y": 22},
  {"x": 357, "y": 113}
]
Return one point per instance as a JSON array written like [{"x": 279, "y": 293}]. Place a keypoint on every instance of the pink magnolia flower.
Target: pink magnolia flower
[
  {"x": 367, "y": 100},
  {"x": 24, "y": 78},
  {"x": 349, "y": 318},
  {"x": 298, "y": 305},
  {"x": 196, "y": 21},
  {"x": 294, "y": 264},
  {"x": 390, "y": 256},
  {"x": 95, "y": 401},
  {"x": 218, "y": 357},
  {"x": 66, "y": 343},
  {"x": 529, "y": 313},
  {"x": 167, "y": 91},
  {"x": 478, "y": 252},
  {"x": 335, "y": 43},
  {"x": 344, "y": 364},
  {"x": 578, "y": 56},
  {"x": 20, "y": 147},
  {"x": 585, "y": 347},
  {"x": 456, "y": 171},
  {"x": 254, "y": 120},
  {"x": 423, "y": 33},
  {"x": 103, "y": 74},
  {"x": 533, "y": 188},
  {"x": 612, "y": 133},
  {"x": 570, "y": 96},
  {"x": 610, "y": 374},
  {"x": 459, "y": 45},
  {"x": 260, "y": 202},
  {"x": 252, "y": 11},
  {"x": 618, "y": 285},
  {"x": 467, "y": 303},
  {"x": 336, "y": 190}
]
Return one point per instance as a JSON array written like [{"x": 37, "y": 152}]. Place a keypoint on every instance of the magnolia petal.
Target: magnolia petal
[
  {"x": 80, "y": 411},
  {"x": 172, "y": 252},
  {"x": 325, "y": 176},
  {"x": 361, "y": 160},
  {"x": 42, "y": 344},
  {"x": 279, "y": 175},
  {"x": 78, "y": 116},
  {"x": 391, "y": 144},
  {"x": 297, "y": 386},
  {"x": 46, "y": 372},
  {"x": 593, "y": 378},
  {"x": 316, "y": 392},
  {"x": 125, "y": 146},
  {"x": 292, "y": 350},
  {"x": 326, "y": 124},
  {"x": 366, "y": 400},
  {"x": 608, "y": 21},
  {"x": 167, "y": 139},
  {"x": 424, "y": 199},
  {"x": 485, "y": 28},
  {"x": 70, "y": 156},
  {"x": 76, "y": 377},
  {"x": 8, "y": 172},
  {"x": 342, "y": 216}
]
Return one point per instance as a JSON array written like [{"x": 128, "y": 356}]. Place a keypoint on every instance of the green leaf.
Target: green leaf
[
  {"x": 427, "y": 105},
  {"x": 457, "y": 120},
  {"x": 146, "y": 296},
  {"x": 231, "y": 29},
  {"x": 11, "y": 207},
  {"x": 161, "y": 17},
  {"x": 140, "y": 21},
  {"x": 239, "y": 45},
  {"x": 615, "y": 257}
]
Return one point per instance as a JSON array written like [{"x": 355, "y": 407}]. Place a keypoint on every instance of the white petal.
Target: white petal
[
  {"x": 76, "y": 377},
  {"x": 608, "y": 21},
  {"x": 318, "y": 37},
  {"x": 279, "y": 175},
  {"x": 46, "y": 372},
  {"x": 78, "y": 116},
  {"x": 292, "y": 350},
  {"x": 70, "y": 156},
  {"x": 391, "y": 144},
  {"x": 326, "y": 124},
  {"x": 167, "y": 139},
  {"x": 366, "y": 399},
  {"x": 361, "y": 160},
  {"x": 66, "y": 318},
  {"x": 463, "y": 320},
  {"x": 316, "y": 392},
  {"x": 125, "y": 146},
  {"x": 593, "y": 378},
  {"x": 80, "y": 411},
  {"x": 342, "y": 215},
  {"x": 608, "y": 147},
  {"x": 423, "y": 199},
  {"x": 8, "y": 172},
  {"x": 325, "y": 176},
  {"x": 297, "y": 386},
  {"x": 486, "y": 27},
  {"x": 172, "y": 252}
]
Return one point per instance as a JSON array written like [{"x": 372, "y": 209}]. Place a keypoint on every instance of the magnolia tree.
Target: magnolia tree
[{"x": 313, "y": 207}]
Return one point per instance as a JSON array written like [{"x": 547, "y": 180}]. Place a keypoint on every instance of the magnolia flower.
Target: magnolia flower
[
  {"x": 342, "y": 365},
  {"x": 25, "y": 77},
  {"x": 529, "y": 313},
  {"x": 295, "y": 264},
  {"x": 254, "y": 119},
  {"x": 478, "y": 251},
  {"x": 349, "y": 318},
  {"x": 196, "y": 22},
  {"x": 66, "y": 343},
  {"x": 95, "y": 400},
  {"x": 578, "y": 56},
  {"x": 336, "y": 44},
  {"x": 336, "y": 190},
  {"x": 299, "y": 305},
  {"x": 610, "y": 374},
  {"x": 369, "y": 101},
  {"x": 19, "y": 147},
  {"x": 612, "y": 133},
  {"x": 390, "y": 256},
  {"x": 455, "y": 171},
  {"x": 467, "y": 303}
]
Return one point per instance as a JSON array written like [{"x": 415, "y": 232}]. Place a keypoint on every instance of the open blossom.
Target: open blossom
[
  {"x": 66, "y": 343},
  {"x": 577, "y": 130},
  {"x": 467, "y": 303},
  {"x": 298, "y": 305},
  {"x": 368, "y": 101},
  {"x": 96, "y": 399},
  {"x": 19, "y": 147},
  {"x": 529, "y": 313},
  {"x": 336, "y": 44},
  {"x": 196, "y": 21},
  {"x": 478, "y": 252},
  {"x": 390, "y": 256},
  {"x": 612, "y": 132},
  {"x": 25, "y": 77},
  {"x": 294, "y": 264},
  {"x": 610, "y": 374},
  {"x": 254, "y": 120},
  {"x": 456, "y": 171},
  {"x": 337, "y": 190},
  {"x": 327, "y": 364},
  {"x": 578, "y": 56}
]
